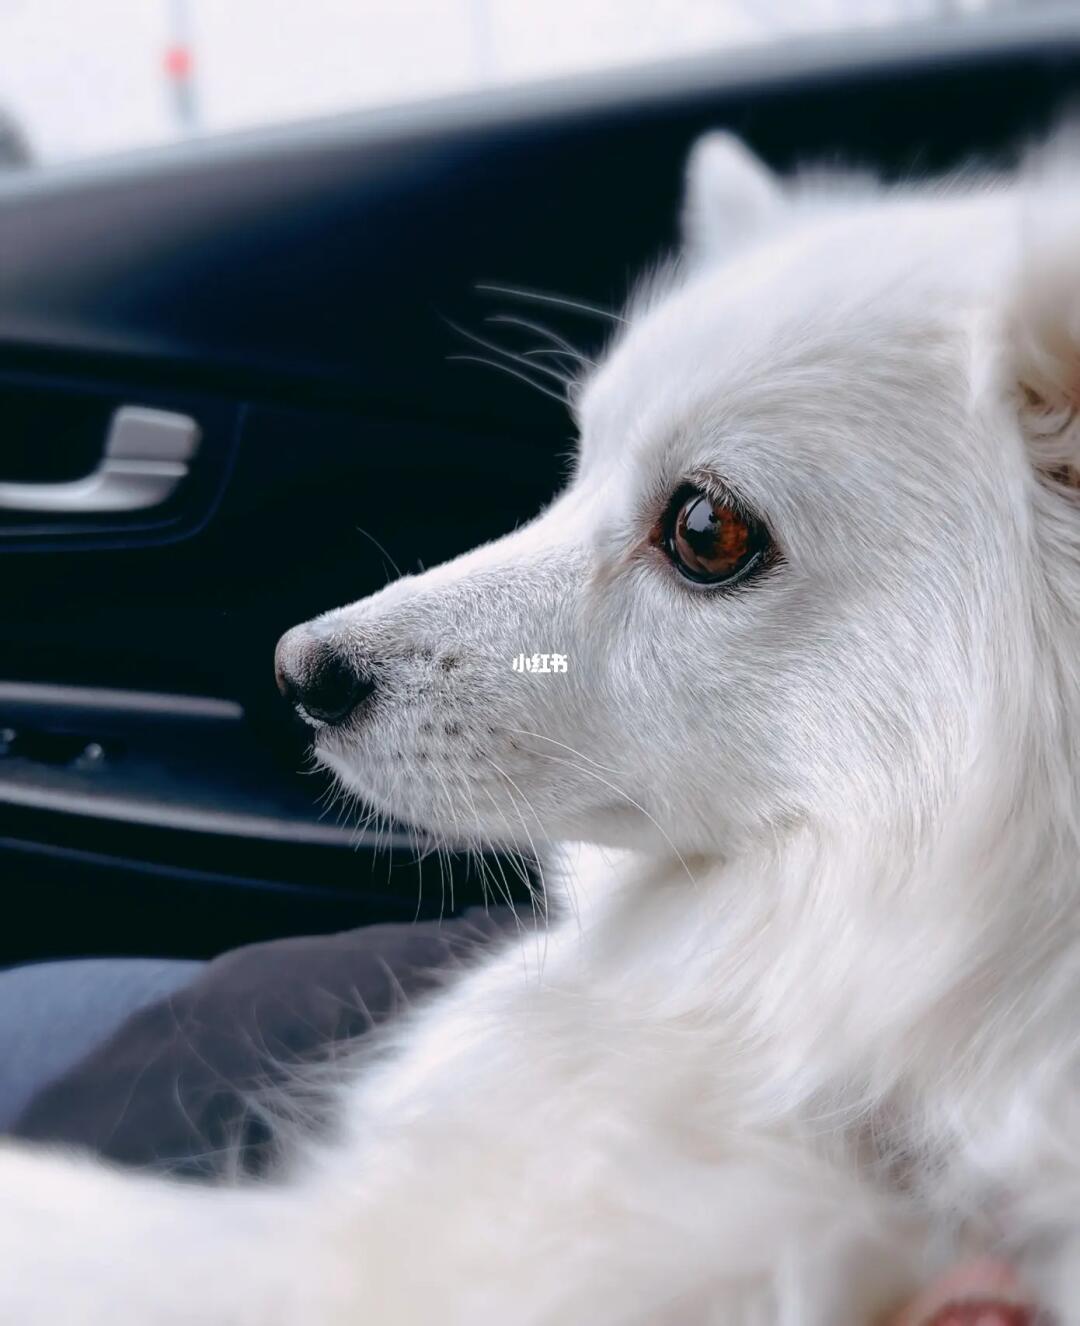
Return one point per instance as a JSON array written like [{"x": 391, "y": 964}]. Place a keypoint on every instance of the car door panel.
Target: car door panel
[{"x": 306, "y": 295}]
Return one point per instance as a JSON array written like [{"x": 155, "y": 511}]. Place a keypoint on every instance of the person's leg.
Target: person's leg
[
  {"x": 191, "y": 1082},
  {"x": 53, "y": 1013}
]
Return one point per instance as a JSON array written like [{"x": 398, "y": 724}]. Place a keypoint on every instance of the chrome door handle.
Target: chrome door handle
[{"x": 146, "y": 459}]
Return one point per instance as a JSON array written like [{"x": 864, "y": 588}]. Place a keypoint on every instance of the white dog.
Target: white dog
[{"x": 812, "y": 1026}]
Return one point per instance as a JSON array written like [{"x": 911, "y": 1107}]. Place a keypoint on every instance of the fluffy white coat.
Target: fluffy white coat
[{"x": 809, "y": 1024}]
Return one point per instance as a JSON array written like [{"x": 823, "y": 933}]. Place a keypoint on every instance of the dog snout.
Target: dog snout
[{"x": 318, "y": 678}]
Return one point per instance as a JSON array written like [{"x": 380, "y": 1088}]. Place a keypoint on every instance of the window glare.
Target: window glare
[{"x": 79, "y": 77}]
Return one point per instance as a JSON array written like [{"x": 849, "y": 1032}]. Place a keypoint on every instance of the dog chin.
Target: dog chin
[
  {"x": 615, "y": 825},
  {"x": 410, "y": 818}
]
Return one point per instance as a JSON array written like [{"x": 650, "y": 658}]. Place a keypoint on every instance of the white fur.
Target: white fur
[{"x": 809, "y": 1023}]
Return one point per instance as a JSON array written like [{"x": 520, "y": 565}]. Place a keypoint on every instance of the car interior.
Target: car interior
[{"x": 246, "y": 379}]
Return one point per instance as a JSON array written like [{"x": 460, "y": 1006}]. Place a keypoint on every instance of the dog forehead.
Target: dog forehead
[
  {"x": 710, "y": 361},
  {"x": 795, "y": 330}
]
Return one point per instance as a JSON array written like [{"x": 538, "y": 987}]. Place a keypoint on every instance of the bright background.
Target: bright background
[{"x": 89, "y": 76}]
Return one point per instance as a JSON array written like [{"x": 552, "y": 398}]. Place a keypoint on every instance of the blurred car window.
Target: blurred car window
[{"x": 83, "y": 77}]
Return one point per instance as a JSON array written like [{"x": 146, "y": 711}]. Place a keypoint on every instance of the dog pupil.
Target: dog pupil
[
  {"x": 716, "y": 539},
  {"x": 701, "y": 522}
]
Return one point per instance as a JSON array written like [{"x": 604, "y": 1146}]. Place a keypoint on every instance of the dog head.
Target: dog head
[{"x": 798, "y": 574}]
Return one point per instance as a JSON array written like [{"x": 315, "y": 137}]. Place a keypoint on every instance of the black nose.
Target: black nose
[{"x": 315, "y": 676}]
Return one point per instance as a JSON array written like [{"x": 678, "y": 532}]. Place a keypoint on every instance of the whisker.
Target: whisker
[
  {"x": 381, "y": 549},
  {"x": 527, "y": 324},
  {"x": 505, "y": 891},
  {"x": 559, "y": 301},
  {"x": 514, "y": 373},
  {"x": 524, "y": 732},
  {"x": 532, "y": 810},
  {"x": 566, "y": 379},
  {"x": 550, "y": 353},
  {"x": 539, "y": 906}
]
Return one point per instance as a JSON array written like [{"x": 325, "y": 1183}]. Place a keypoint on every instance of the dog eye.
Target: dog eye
[{"x": 711, "y": 541}]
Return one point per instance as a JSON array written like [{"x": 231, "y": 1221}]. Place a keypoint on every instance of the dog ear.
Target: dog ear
[
  {"x": 731, "y": 196},
  {"x": 1044, "y": 340}
]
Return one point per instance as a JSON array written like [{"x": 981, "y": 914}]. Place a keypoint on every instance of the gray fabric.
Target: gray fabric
[
  {"x": 177, "y": 1085},
  {"x": 54, "y": 1013}
]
